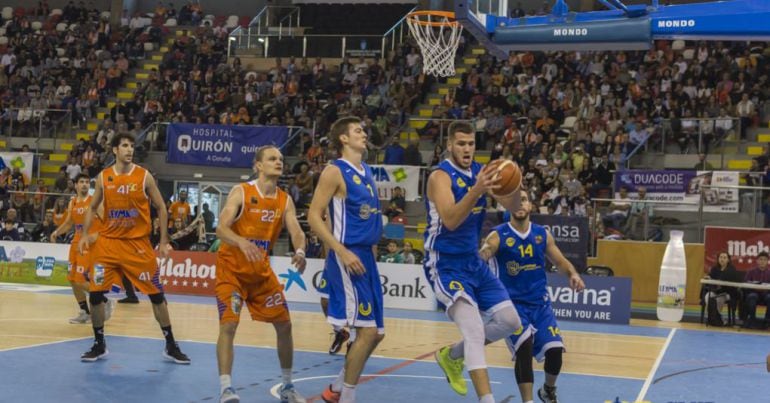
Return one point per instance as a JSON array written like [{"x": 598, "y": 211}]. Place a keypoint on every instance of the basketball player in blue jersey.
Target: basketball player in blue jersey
[
  {"x": 517, "y": 251},
  {"x": 461, "y": 279},
  {"x": 346, "y": 187}
]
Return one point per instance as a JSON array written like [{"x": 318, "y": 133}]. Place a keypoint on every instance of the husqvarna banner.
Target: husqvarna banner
[
  {"x": 220, "y": 145},
  {"x": 605, "y": 299},
  {"x": 683, "y": 187}
]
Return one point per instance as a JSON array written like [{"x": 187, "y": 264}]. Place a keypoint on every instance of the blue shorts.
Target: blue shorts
[
  {"x": 467, "y": 277},
  {"x": 537, "y": 319},
  {"x": 355, "y": 300},
  {"x": 323, "y": 286}
]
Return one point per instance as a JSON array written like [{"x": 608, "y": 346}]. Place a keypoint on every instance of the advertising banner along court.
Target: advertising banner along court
[{"x": 682, "y": 186}]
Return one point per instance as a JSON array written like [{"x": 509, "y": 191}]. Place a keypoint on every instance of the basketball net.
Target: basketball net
[{"x": 437, "y": 34}]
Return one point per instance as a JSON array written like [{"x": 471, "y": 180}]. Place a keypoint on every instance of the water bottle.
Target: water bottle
[{"x": 673, "y": 278}]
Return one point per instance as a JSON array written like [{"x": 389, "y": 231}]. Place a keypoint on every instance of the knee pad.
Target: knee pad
[
  {"x": 553, "y": 361},
  {"x": 523, "y": 367},
  {"x": 96, "y": 298},
  {"x": 157, "y": 299}
]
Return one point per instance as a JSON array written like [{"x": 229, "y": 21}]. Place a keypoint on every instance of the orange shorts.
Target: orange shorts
[
  {"x": 79, "y": 267},
  {"x": 260, "y": 292},
  {"x": 134, "y": 258}
]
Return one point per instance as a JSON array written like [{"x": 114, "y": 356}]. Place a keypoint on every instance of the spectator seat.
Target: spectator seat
[
  {"x": 56, "y": 11},
  {"x": 61, "y": 27},
  {"x": 393, "y": 231},
  {"x": 36, "y": 25},
  {"x": 602, "y": 271},
  {"x": 7, "y": 13},
  {"x": 3, "y": 40},
  {"x": 171, "y": 22},
  {"x": 569, "y": 123}
]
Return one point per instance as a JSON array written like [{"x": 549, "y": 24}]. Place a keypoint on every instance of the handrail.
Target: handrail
[
  {"x": 401, "y": 21},
  {"x": 634, "y": 151},
  {"x": 739, "y": 187},
  {"x": 598, "y": 199}
]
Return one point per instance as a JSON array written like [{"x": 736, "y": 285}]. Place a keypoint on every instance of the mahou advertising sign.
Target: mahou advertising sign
[
  {"x": 188, "y": 272},
  {"x": 743, "y": 245}
]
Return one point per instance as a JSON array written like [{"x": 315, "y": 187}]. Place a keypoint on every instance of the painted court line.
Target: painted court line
[
  {"x": 274, "y": 389},
  {"x": 654, "y": 369},
  {"x": 405, "y": 360},
  {"x": 43, "y": 344}
]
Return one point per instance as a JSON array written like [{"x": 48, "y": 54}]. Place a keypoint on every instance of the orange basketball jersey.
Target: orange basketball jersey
[
  {"x": 260, "y": 221},
  {"x": 78, "y": 211},
  {"x": 126, "y": 204}
]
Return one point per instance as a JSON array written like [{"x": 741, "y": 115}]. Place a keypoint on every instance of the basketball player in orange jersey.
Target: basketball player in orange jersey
[
  {"x": 79, "y": 265},
  {"x": 123, "y": 245},
  {"x": 249, "y": 225}
]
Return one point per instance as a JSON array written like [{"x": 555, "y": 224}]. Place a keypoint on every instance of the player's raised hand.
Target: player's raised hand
[
  {"x": 576, "y": 282},
  {"x": 252, "y": 252},
  {"x": 351, "y": 262},
  {"x": 487, "y": 180}
]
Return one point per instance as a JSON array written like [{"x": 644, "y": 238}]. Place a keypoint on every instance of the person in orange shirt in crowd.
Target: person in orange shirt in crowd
[{"x": 179, "y": 209}]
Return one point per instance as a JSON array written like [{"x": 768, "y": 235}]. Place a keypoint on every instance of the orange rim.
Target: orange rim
[{"x": 415, "y": 18}]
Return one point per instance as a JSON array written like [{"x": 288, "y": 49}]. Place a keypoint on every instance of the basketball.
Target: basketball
[{"x": 509, "y": 176}]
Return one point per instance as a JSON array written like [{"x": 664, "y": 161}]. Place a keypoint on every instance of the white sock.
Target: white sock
[
  {"x": 457, "y": 351},
  {"x": 530, "y": 401},
  {"x": 348, "y": 393},
  {"x": 224, "y": 382},
  {"x": 286, "y": 375},
  {"x": 488, "y": 398},
  {"x": 337, "y": 328},
  {"x": 338, "y": 381}
]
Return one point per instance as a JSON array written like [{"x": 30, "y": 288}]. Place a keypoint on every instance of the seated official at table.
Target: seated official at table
[
  {"x": 724, "y": 271},
  {"x": 760, "y": 274}
]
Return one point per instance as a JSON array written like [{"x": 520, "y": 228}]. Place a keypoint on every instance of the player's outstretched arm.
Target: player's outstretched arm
[
  {"x": 512, "y": 202},
  {"x": 66, "y": 225},
  {"x": 296, "y": 234},
  {"x": 490, "y": 246},
  {"x": 157, "y": 200},
  {"x": 329, "y": 184},
  {"x": 453, "y": 214},
  {"x": 561, "y": 262}
]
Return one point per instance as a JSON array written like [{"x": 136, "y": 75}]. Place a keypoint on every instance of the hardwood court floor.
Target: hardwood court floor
[{"x": 30, "y": 318}]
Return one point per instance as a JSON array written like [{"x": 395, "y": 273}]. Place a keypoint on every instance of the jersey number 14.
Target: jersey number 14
[{"x": 526, "y": 251}]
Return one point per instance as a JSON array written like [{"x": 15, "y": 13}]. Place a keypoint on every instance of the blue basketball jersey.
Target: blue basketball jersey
[
  {"x": 465, "y": 238},
  {"x": 520, "y": 262},
  {"x": 357, "y": 218}
]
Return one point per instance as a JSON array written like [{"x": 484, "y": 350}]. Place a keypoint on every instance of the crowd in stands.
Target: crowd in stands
[{"x": 569, "y": 119}]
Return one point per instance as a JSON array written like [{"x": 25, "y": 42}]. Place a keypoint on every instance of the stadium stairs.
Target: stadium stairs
[{"x": 56, "y": 153}]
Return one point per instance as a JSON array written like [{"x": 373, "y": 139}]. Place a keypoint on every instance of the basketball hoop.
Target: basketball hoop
[{"x": 437, "y": 34}]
